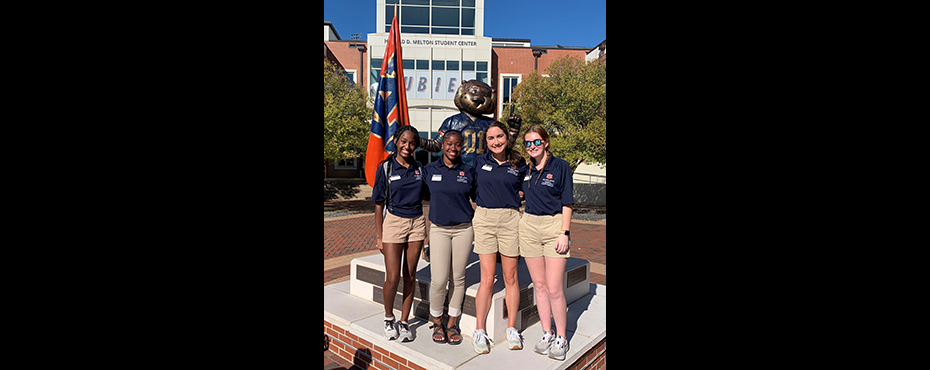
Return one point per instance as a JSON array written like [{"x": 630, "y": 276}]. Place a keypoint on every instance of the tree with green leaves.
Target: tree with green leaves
[
  {"x": 571, "y": 103},
  {"x": 346, "y": 115}
]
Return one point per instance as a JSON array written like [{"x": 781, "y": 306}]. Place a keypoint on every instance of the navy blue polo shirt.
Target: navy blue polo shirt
[
  {"x": 548, "y": 190},
  {"x": 450, "y": 188},
  {"x": 498, "y": 184},
  {"x": 406, "y": 189}
]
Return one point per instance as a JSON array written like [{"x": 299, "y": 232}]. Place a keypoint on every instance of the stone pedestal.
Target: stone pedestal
[{"x": 368, "y": 278}]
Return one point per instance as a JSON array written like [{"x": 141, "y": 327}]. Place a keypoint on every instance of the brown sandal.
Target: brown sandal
[
  {"x": 438, "y": 329},
  {"x": 454, "y": 330}
]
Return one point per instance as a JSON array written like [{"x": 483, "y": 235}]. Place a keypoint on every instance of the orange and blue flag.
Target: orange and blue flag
[{"x": 390, "y": 105}]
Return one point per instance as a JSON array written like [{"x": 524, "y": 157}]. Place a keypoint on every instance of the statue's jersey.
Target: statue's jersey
[{"x": 473, "y": 133}]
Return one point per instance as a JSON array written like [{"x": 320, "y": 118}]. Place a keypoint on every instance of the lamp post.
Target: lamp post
[{"x": 536, "y": 54}]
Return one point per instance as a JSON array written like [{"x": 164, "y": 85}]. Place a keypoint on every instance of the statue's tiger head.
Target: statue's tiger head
[{"x": 476, "y": 97}]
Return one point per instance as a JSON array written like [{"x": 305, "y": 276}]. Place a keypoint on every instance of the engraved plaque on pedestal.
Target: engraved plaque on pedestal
[
  {"x": 530, "y": 316},
  {"x": 419, "y": 309},
  {"x": 468, "y": 306},
  {"x": 576, "y": 276},
  {"x": 369, "y": 275}
]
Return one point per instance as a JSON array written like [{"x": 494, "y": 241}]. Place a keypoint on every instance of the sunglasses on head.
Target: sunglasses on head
[{"x": 536, "y": 142}]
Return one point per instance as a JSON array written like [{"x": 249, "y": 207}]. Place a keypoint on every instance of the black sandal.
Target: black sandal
[
  {"x": 438, "y": 329},
  {"x": 457, "y": 332}
]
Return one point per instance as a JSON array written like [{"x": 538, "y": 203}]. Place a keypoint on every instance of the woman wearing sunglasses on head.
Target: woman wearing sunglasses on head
[
  {"x": 544, "y": 236},
  {"x": 496, "y": 223}
]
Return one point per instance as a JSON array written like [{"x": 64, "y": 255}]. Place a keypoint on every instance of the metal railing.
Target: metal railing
[{"x": 600, "y": 179}]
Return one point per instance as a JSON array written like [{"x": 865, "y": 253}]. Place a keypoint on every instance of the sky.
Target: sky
[{"x": 544, "y": 22}]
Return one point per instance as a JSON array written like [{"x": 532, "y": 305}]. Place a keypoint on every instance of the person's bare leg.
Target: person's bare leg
[
  {"x": 412, "y": 257},
  {"x": 392, "y": 260},
  {"x": 511, "y": 288},
  {"x": 555, "y": 271},
  {"x": 537, "y": 268},
  {"x": 488, "y": 264}
]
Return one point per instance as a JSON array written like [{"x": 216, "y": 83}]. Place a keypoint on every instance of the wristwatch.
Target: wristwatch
[{"x": 566, "y": 232}]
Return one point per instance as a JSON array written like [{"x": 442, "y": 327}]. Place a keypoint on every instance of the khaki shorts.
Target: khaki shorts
[
  {"x": 396, "y": 229},
  {"x": 538, "y": 235},
  {"x": 497, "y": 230}
]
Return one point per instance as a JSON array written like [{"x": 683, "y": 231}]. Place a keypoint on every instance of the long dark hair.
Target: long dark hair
[{"x": 513, "y": 156}]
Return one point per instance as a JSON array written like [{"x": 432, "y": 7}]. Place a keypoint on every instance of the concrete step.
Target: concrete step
[
  {"x": 367, "y": 278},
  {"x": 362, "y": 321}
]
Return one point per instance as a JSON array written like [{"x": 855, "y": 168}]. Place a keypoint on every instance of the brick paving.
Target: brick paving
[{"x": 353, "y": 234}]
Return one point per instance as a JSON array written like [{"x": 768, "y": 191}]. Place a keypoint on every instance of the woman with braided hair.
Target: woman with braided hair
[
  {"x": 544, "y": 236},
  {"x": 400, "y": 226}
]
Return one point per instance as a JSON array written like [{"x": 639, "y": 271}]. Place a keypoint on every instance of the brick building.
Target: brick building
[{"x": 443, "y": 44}]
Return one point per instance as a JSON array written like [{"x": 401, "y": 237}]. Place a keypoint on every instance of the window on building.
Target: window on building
[
  {"x": 345, "y": 164},
  {"x": 482, "y": 69},
  {"x": 508, "y": 82},
  {"x": 350, "y": 75},
  {"x": 443, "y": 17}
]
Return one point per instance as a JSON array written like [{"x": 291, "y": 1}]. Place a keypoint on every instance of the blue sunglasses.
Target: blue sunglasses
[{"x": 536, "y": 142}]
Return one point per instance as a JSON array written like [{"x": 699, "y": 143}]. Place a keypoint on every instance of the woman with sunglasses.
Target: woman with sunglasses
[
  {"x": 496, "y": 223},
  {"x": 544, "y": 236}
]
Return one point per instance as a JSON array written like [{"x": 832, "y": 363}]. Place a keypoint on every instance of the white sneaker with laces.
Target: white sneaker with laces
[
  {"x": 482, "y": 342},
  {"x": 514, "y": 339},
  {"x": 559, "y": 348},
  {"x": 389, "y": 331},
  {"x": 543, "y": 346},
  {"x": 405, "y": 334}
]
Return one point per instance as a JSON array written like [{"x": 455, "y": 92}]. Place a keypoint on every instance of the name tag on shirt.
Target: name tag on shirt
[
  {"x": 486, "y": 167},
  {"x": 527, "y": 178},
  {"x": 437, "y": 177},
  {"x": 395, "y": 178}
]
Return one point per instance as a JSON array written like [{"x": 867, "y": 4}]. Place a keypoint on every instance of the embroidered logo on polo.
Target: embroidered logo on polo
[
  {"x": 548, "y": 181},
  {"x": 513, "y": 171},
  {"x": 462, "y": 177}
]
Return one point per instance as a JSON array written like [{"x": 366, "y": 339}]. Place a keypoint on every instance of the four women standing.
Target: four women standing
[{"x": 541, "y": 235}]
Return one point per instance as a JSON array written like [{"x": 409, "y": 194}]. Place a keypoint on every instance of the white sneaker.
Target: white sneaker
[
  {"x": 405, "y": 334},
  {"x": 543, "y": 346},
  {"x": 514, "y": 339},
  {"x": 559, "y": 348},
  {"x": 389, "y": 331},
  {"x": 482, "y": 342}
]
